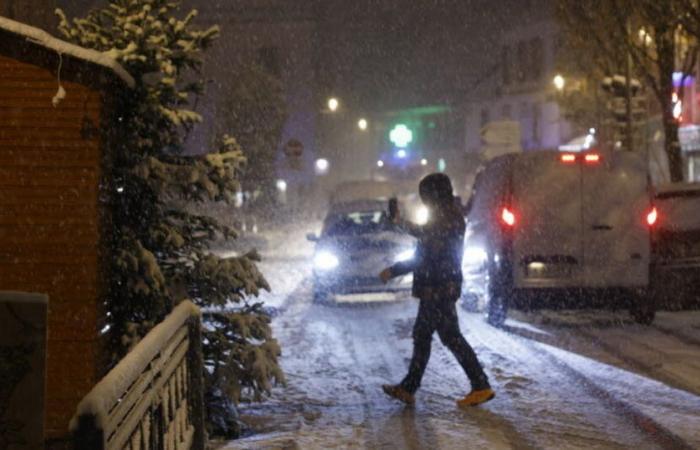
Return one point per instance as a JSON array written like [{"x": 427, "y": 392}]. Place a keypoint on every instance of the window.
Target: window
[
  {"x": 269, "y": 59},
  {"x": 506, "y": 111},
  {"x": 485, "y": 117},
  {"x": 536, "y": 59},
  {"x": 536, "y": 116},
  {"x": 506, "y": 65},
  {"x": 525, "y": 110},
  {"x": 522, "y": 56}
]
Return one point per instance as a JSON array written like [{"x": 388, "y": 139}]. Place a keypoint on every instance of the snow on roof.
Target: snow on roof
[
  {"x": 43, "y": 38},
  {"x": 359, "y": 205},
  {"x": 680, "y": 187}
]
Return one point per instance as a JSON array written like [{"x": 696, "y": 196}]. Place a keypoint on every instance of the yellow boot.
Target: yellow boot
[
  {"x": 399, "y": 393},
  {"x": 477, "y": 397}
]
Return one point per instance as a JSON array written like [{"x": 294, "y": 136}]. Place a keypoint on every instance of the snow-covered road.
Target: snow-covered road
[{"x": 577, "y": 379}]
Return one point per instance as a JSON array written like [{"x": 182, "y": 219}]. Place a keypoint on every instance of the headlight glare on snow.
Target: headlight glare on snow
[
  {"x": 422, "y": 215},
  {"x": 325, "y": 260},
  {"x": 474, "y": 256},
  {"x": 405, "y": 255}
]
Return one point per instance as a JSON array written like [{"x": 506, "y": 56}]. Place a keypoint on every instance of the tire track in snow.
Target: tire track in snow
[
  {"x": 365, "y": 340},
  {"x": 657, "y": 432},
  {"x": 576, "y": 422},
  {"x": 642, "y": 422},
  {"x": 684, "y": 338},
  {"x": 634, "y": 363}
]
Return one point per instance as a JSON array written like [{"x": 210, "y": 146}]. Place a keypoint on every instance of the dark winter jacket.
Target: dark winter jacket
[{"x": 437, "y": 264}]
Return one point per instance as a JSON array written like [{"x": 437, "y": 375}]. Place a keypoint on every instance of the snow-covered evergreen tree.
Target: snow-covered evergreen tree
[
  {"x": 158, "y": 252},
  {"x": 253, "y": 97}
]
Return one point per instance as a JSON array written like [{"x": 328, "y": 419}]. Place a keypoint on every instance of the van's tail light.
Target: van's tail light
[
  {"x": 508, "y": 217},
  {"x": 568, "y": 158},
  {"x": 652, "y": 216},
  {"x": 592, "y": 158}
]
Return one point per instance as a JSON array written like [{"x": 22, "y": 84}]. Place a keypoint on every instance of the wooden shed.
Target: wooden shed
[{"x": 53, "y": 98}]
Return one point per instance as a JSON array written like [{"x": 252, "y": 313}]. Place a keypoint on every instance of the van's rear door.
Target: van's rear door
[
  {"x": 615, "y": 234},
  {"x": 547, "y": 244}
]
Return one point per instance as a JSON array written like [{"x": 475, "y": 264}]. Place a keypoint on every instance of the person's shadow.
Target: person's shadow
[{"x": 419, "y": 426}]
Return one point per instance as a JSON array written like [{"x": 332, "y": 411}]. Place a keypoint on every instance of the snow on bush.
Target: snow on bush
[{"x": 159, "y": 251}]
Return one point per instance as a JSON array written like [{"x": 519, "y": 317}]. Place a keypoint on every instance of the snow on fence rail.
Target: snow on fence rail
[{"x": 152, "y": 399}]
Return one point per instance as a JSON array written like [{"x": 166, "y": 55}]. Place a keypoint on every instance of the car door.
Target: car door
[
  {"x": 615, "y": 234},
  {"x": 547, "y": 247}
]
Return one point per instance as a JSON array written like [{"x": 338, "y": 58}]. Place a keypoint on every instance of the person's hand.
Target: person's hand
[
  {"x": 385, "y": 275},
  {"x": 396, "y": 220}
]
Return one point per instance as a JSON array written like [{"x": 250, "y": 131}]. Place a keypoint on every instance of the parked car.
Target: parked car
[
  {"x": 551, "y": 224},
  {"x": 676, "y": 245},
  {"x": 357, "y": 241}
]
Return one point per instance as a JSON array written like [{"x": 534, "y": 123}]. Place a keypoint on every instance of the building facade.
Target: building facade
[
  {"x": 38, "y": 13},
  {"x": 53, "y": 212},
  {"x": 520, "y": 89}
]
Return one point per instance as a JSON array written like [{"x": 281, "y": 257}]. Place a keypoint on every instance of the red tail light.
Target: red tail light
[
  {"x": 652, "y": 216},
  {"x": 568, "y": 158},
  {"x": 508, "y": 217},
  {"x": 592, "y": 158}
]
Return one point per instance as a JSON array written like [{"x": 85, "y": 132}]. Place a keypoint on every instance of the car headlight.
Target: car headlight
[
  {"x": 474, "y": 256},
  {"x": 325, "y": 260},
  {"x": 405, "y": 255},
  {"x": 422, "y": 215}
]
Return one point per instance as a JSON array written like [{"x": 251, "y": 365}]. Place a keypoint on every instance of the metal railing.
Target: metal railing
[{"x": 153, "y": 398}]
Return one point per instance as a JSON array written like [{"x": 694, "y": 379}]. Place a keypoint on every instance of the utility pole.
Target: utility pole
[{"x": 628, "y": 93}]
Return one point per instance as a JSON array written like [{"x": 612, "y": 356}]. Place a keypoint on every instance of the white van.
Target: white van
[{"x": 559, "y": 224}]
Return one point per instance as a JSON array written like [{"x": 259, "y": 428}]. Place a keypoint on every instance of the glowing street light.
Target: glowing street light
[
  {"x": 333, "y": 104},
  {"x": 380, "y": 163},
  {"x": 362, "y": 124},
  {"x": 559, "y": 82},
  {"x": 281, "y": 185},
  {"x": 401, "y": 153},
  {"x": 321, "y": 166},
  {"x": 423, "y": 162}
]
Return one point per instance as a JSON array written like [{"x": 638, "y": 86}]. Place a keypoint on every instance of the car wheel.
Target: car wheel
[
  {"x": 643, "y": 307},
  {"x": 471, "y": 303},
  {"x": 496, "y": 310},
  {"x": 498, "y": 293}
]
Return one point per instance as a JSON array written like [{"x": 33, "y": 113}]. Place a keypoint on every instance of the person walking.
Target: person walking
[{"x": 437, "y": 283}]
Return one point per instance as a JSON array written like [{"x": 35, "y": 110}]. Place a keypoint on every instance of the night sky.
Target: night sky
[{"x": 386, "y": 54}]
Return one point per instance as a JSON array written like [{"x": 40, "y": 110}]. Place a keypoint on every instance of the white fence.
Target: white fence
[{"x": 152, "y": 399}]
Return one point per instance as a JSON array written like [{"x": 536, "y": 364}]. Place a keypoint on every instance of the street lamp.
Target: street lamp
[
  {"x": 333, "y": 104},
  {"x": 559, "y": 82},
  {"x": 362, "y": 124},
  {"x": 322, "y": 166}
]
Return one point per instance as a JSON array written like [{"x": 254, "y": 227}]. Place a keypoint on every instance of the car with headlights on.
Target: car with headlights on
[
  {"x": 404, "y": 191},
  {"x": 356, "y": 242}
]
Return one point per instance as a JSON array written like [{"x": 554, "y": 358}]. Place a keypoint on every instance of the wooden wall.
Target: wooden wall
[{"x": 49, "y": 222}]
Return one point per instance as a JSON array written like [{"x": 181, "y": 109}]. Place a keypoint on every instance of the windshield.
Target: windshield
[{"x": 356, "y": 222}]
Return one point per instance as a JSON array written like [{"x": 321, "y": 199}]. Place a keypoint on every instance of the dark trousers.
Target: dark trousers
[{"x": 441, "y": 315}]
